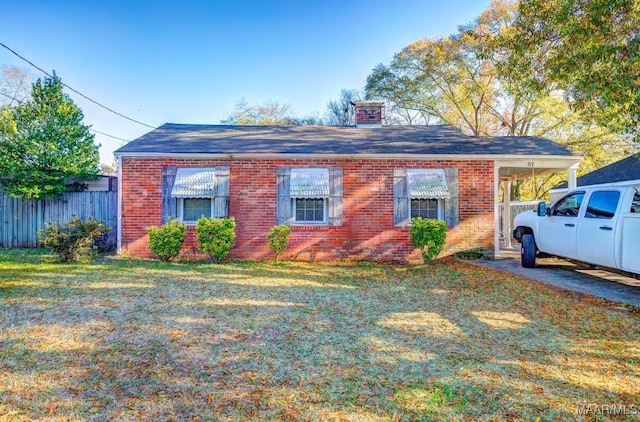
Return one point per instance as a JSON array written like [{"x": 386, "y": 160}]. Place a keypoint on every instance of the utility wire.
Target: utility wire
[
  {"x": 91, "y": 129},
  {"x": 77, "y": 92},
  {"x": 110, "y": 136}
]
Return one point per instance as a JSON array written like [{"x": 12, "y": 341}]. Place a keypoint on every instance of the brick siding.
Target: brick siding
[{"x": 367, "y": 232}]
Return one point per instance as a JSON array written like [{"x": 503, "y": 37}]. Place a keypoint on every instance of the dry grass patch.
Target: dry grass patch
[{"x": 138, "y": 340}]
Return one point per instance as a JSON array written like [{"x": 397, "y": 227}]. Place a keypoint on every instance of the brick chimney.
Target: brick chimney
[{"x": 368, "y": 113}]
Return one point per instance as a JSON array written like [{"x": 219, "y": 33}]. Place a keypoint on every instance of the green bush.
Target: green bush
[
  {"x": 429, "y": 235},
  {"x": 279, "y": 239},
  {"x": 216, "y": 236},
  {"x": 74, "y": 240},
  {"x": 166, "y": 241}
]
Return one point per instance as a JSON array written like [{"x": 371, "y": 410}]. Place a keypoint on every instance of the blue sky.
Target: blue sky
[{"x": 192, "y": 61}]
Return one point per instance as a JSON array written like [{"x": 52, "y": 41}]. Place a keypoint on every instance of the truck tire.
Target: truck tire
[{"x": 528, "y": 251}]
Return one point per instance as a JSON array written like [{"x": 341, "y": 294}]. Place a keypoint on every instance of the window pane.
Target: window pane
[
  {"x": 424, "y": 208},
  {"x": 635, "y": 205},
  {"x": 311, "y": 210},
  {"x": 196, "y": 208},
  {"x": 602, "y": 204},
  {"x": 569, "y": 206}
]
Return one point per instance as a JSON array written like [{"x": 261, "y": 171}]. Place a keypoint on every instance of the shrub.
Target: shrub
[
  {"x": 216, "y": 236},
  {"x": 74, "y": 240},
  {"x": 429, "y": 235},
  {"x": 166, "y": 241},
  {"x": 279, "y": 239}
]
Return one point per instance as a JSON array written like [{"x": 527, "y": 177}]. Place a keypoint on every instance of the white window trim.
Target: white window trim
[
  {"x": 440, "y": 207},
  {"x": 181, "y": 211},
  {"x": 325, "y": 214}
]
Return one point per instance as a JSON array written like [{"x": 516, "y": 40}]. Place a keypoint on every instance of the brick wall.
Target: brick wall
[{"x": 367, "y": 233}]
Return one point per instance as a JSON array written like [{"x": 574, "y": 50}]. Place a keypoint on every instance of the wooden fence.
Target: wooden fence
[{"x": 20, "y": 219}]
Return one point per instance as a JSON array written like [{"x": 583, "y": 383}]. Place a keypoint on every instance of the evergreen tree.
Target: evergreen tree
[{"x": 44, "y": 145}]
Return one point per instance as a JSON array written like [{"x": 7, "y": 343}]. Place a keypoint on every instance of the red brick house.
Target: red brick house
[{"x": 347, "y": 192}]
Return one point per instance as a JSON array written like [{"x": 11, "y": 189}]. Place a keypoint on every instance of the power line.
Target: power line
[
  {"x": 77, "y": 92},
  {"x": 110, "y": 136},
  {"x": 91, "y": 129}
]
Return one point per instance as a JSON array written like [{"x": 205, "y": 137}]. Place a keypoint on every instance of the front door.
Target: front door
[
  {"x": 596, "y": 237},
  {"x": 558, "y": 231}
]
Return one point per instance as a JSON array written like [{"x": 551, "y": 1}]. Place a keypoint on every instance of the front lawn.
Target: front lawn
[{"x": 124, "y": 339}]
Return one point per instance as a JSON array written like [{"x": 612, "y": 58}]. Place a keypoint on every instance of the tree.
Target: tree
[
  {"x": 341, "y": 112},
  {"x": 14, "y": 86},
  {"x": 450, "y": 80},
  {"x": 44, "y": 144},
  {"x": 459, "y": 80},
  {"x": 269, "y": 113},
  {"x": 590, "y": 49}
]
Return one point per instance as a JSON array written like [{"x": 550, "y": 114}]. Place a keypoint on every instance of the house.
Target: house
[
  {"x": 347, "y": 192},
  {"x": 101, "y": 183},
  {"x": 625, "y": 170}
]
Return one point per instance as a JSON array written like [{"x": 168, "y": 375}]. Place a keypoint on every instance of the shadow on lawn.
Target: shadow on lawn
[{"x": 438, "y": 342}]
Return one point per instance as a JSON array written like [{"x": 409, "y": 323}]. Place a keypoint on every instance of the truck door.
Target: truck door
[
  {"x": 557, "y": 232},
  {"x": 597, "y": 228}
]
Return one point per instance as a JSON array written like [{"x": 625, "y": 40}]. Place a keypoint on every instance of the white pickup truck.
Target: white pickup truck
[{"x": 599, "y": 225}]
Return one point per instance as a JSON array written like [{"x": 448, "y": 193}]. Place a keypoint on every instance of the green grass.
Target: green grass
[{"x": 122, "y": 339}]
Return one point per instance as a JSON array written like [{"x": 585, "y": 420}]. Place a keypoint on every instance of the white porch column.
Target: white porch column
[
  {"x": 573, "y": 178},
  {"x": 506, "y": 213},
  {"x": 496, "y": 211}
]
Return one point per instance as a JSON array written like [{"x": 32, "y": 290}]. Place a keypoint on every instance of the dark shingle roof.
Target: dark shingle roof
[
  {"x": 620, "y": 171},
  {"x": 173, "y": 138}
]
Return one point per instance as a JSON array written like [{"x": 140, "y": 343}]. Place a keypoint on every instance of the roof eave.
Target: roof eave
[{"x": 315, "y": 156}]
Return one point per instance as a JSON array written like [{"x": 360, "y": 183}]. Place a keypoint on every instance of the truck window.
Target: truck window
[
  {"x": 569, "y": 206},
  {"x": 635, "y": 204},
  {"x": 602, "y": 204}
]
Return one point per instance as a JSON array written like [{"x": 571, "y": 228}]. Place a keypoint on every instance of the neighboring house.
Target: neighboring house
[
  {"x": 348, "y": 192},
  {"x": 102, "y": 183},
  {"x": 625, "y": 170}
]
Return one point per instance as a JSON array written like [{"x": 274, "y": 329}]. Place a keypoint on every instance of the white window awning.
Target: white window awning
[
  {"x": 309, "y": 183},
  {"x": 194, "y": 183},
  {"x": 427, "y": 184}
]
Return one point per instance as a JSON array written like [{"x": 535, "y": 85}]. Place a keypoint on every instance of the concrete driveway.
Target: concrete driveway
[{"x": 581, "y": 278}]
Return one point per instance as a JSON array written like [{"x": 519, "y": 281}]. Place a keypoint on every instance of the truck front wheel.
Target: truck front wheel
[{"x": 528, "y": 251}]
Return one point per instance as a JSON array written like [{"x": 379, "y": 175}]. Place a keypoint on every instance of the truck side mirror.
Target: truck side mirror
[{"x": 542, "y": 209}]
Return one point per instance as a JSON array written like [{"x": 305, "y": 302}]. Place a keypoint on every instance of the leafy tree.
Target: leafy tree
[
  {"x": 341, "y": 112},
  {"x": 590, "y": 49},
  {"x": 450, "y": 80},
  {"x": 460, "y": 81},
  {"x": 269, "y": 113},
  {"x": 14, "y": 86},
  {"x": 44, "y": 144}
]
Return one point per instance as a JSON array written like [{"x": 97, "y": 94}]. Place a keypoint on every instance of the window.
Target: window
[
  {"x": 309, "y": 196},
  {"x": 569, "y": 206},
  {"x": 427, "y": 189},
  {"x": 195, "y": 189},
  {"x": 192, "y": 209},
  {"x": 309, "y": 190},
  {"x": 426, "y": 208},
  {"x": 602, "y": 204},
  {"x": 425, "y": 193},
  {"x": 309, "y": 210},
  {"x": 635, "y": 204},
  {"x": 189, "y": 193}
]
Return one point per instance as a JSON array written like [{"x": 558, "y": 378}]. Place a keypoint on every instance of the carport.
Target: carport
[{"x": 506, "y": 171}]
